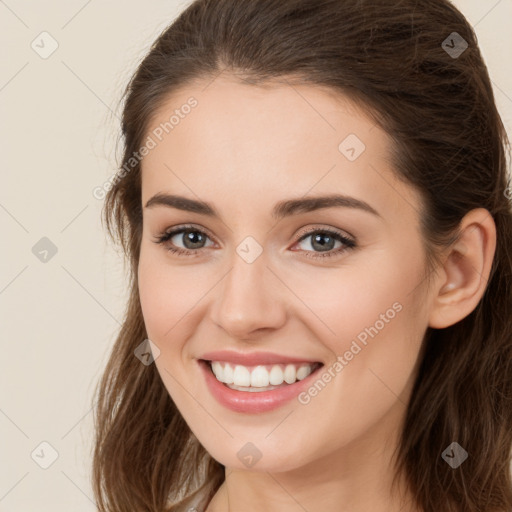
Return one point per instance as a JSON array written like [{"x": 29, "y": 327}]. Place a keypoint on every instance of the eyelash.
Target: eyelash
[{"x": 162, "y": 238}]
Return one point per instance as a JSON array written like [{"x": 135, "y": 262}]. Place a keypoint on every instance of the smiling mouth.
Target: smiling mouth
[{"x": 260, "y": 378}]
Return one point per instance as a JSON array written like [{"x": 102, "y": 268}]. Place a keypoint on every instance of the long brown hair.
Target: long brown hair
[{"x": 402, "y": 62}]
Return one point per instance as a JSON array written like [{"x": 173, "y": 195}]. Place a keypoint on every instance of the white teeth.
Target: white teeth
[
  {"x": 276, "y": 376},
  {"x": 250, "y": 389},
  {"x": 228, "y": 374},
  {"x": 217, "y": 370},
  {"x": 303, "y": 372},
  {"x": 261, "y": 376},
  {"x": 241, "y": 376},
  {"x": 290, "y": 374}
]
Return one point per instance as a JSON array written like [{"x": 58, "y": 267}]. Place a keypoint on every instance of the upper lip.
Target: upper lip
[{"x": 253, "y": 358}]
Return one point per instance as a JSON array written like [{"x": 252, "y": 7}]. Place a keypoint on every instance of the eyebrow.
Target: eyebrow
[{"x": 280, "y": 210}]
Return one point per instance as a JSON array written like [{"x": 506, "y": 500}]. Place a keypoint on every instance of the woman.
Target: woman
[{"x": 313, "y": 201}]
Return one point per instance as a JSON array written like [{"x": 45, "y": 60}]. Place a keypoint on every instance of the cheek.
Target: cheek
[
  {"x": 159, "y": 293},
  {"x": 375, "y": 351},
  {"x": 164, "y": 309},
  {"x": 382, "y": 334},
  {"x": 150, "y": 292},
  {"x": 171, "y": 296},
  {"x": 372, "y": 317},
  {"x": 364, "y": 295}
]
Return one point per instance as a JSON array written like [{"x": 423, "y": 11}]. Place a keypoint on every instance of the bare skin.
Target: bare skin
[{"x": 242, "y": 149}]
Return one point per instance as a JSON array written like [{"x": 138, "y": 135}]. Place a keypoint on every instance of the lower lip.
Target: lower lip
[{"x": 253, "y": 402}]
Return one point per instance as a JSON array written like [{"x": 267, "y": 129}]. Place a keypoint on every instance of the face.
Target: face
[{"x": 276, "y": 279}]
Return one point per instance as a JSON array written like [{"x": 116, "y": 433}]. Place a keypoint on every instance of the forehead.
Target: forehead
[{"x": 277, "y": 140}]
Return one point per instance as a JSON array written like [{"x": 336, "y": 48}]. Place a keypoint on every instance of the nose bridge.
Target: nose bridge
[{"x": 248, "y": 299}]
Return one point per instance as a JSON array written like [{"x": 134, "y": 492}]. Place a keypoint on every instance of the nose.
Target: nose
[{"x": 250, "y": 301}]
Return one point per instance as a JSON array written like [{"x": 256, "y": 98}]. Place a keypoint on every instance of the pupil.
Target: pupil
[
  {"x": 323, "y": 246},
  {"x": 194, "y": 237}
]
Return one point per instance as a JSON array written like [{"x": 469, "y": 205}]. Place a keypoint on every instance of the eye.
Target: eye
[
  {"x": 321, "y": 245},
  {"x": 192, "y": 238},
  {"x": 324, "y": 240}
]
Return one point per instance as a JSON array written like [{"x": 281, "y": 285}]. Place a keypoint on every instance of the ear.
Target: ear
[{"x": 465, "y": 272}]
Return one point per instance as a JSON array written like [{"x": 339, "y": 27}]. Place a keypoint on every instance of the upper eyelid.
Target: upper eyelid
[
  {"x": 337, "y": 231},
  {"x": 179, "y": 229}
]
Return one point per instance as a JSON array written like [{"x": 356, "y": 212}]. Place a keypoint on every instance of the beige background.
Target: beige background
[{"x": 59, "y": 129}]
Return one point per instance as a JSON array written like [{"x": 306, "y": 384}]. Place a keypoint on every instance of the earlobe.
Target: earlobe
[{"x": 466, "y": 270}]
